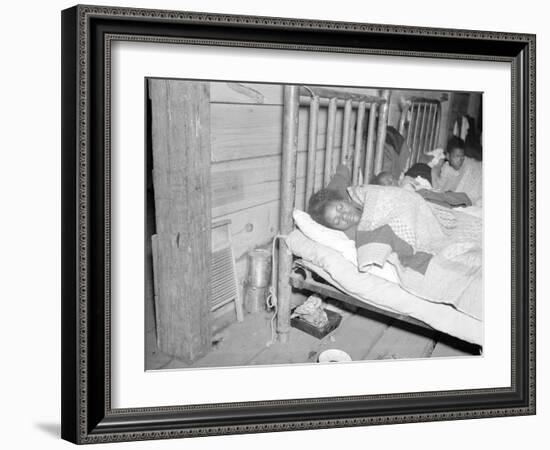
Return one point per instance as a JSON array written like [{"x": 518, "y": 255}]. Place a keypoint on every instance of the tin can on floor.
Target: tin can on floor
[{"x": 258, "y": 281}]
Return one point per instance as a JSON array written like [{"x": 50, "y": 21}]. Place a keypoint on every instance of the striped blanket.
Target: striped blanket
[{"x": 437, "y": 251}]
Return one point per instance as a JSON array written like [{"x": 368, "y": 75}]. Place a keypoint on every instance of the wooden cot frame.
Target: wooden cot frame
[{"x": 425, "y": 134}]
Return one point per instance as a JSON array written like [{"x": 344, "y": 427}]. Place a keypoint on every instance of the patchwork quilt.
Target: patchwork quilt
[{"x": 437, "y": 251}]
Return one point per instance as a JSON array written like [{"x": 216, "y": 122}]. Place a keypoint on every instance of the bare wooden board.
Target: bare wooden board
[
  {"x": 247, "y": 196},
  {"x": 300, "y": 348},
  {"x": 258, "y": 169},
  {"x": 182, "y": 245},
  {"x": 236, "y": 345},
  {"x": 251, "y": 93},
  {"x": 255, "y": 184},
  {"x": 253, "y": 227},
  {"x": 181, "y": 274},
  {"x": 358, "y": 334},
  {"x": 402, "y": 341},
  {"x": 154, "y": 358},
  {"x": 245, "y": 131}
]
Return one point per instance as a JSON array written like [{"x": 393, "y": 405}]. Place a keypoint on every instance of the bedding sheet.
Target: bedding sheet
[{"x": 374, "y": 290}]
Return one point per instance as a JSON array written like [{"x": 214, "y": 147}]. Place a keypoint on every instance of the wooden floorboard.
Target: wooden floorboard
[
  {"x": 358, "y": 334},
  {"x": 300, "y": 348},
  {"x": 236, "y": 345},
  {"x": 402, "y": 340},
  {"x": 355, "y": 335},
  {"x": 362, "y": 335}
]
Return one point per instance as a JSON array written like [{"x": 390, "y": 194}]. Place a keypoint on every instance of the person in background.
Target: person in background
[
  {"x": 458, "y": 172},
  {"x": 417, "y": 177}
]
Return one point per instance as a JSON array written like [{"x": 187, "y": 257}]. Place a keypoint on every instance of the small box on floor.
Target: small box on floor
[{"x": 334, "y": 320}]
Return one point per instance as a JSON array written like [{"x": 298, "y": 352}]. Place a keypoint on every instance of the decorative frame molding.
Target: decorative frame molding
[{"x": 87, "y": 34}]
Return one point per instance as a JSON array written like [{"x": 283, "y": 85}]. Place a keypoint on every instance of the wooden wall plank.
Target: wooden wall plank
[
  {"x": 253, "y": 227},
  {"x": 244, "y": 131},
  {"x": 237, "y": 185},
  {"x": 181, "y": 179},
  {"x": 256, "y": 225},
  {"x": 247, "y": 131},
  {"x": 251, "y": 93}
]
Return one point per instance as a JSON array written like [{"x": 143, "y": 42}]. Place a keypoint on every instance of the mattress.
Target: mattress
[{"x": 372, "y": 289}]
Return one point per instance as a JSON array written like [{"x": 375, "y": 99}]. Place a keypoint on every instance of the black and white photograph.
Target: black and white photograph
[
  {"x": 308, "y": 224},
  {"x": 275, "y": 225}
]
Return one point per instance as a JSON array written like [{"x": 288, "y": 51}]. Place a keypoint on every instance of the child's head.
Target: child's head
[
  {"x": 455, "y": 152},
  {"x": 384, "y": 179},
  {"x": 330, "y": 209}
]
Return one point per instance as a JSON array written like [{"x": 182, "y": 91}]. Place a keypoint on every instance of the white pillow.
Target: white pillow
[{"x": 334, "y": 239}]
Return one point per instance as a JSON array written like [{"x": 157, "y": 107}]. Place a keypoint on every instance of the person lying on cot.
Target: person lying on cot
[
  {"x": 458, "y": 173},
  {"x": 333, "y": 207},
  {"x": 417, "y": 177},
  {"x": 385, "y": 179},
  {"x": 415, "y": 180}
]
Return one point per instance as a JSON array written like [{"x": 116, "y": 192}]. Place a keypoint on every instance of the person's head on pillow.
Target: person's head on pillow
[
  {"x": 454, "y": 152},
  {"x": 330, "y": 209},
  {"x": 384, "y": 179}
]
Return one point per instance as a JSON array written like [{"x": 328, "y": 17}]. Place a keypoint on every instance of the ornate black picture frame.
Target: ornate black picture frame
[{"x": 87, "y": 34}]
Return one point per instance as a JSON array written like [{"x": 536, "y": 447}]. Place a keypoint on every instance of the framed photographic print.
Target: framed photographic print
[{"x": 282, "y": 224}]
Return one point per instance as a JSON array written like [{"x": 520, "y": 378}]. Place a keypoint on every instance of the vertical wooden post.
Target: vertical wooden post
[
  {"x": 369, "y": 153},
  {"x": 358, "y": 142},
  {"x": 438, "y": 126},
  {"x": 410, "y": 131},
  {"x": 422, "y": 137},
  {"x": 346, "y": 131},
  {"x": 311, "y": 148},
  {"x": 181, "y": 179},
  {"x": 430, "y": 129},
  {"x": 331, "y": 125},
  {"x": 403, "y": 118},
  {"x": 414, "y": 146},
  {"x": 381, "y": 134},
  {"x": 288, "y": 188},
  {"x": 432, "y": 126}
]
